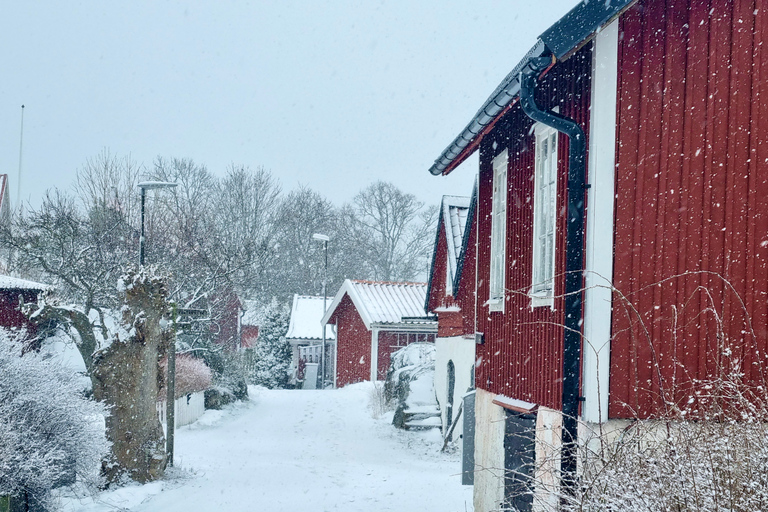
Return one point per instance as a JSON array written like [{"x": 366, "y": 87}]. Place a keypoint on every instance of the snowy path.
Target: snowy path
[{"x": 296, "y": 451}]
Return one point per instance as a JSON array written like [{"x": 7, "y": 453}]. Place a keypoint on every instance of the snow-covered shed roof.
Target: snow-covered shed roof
[
  {"x": 382, "y": 302},
  {"x": 14, "y": 283},
  {"x": 306, "y": 316},
  {"x": 454, "y": 211},
  {"x": 252, "y": 315}
]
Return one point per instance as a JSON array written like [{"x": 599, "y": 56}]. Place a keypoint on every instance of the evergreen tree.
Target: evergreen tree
[{"x": 273, "y": 352}]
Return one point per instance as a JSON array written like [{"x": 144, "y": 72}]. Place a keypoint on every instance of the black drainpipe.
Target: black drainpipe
[{"x": 574, "y": 262}]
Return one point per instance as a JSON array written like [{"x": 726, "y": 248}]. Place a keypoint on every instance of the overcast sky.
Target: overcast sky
[{"x": 332, "y": 95}]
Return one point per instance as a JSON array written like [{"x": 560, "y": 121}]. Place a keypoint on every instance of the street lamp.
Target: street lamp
[
  {"x": 325, "y": 239},
  {"x": 170, "y": 385},
  {"x": 144, "y": 186}
]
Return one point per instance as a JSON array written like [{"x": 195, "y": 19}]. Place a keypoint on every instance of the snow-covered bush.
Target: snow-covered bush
[
  {"x": 715, "y": 461},
  {"x": 712, "y": 458},
  {"x": 406, "y": 366},
  {"x": 377, "y": 402},
  {"x": 410, "y": 383},
  {"x": 273, "y": 352},
  {"x": 192, "y": 375},
  {"x": 48, "y": 431}
]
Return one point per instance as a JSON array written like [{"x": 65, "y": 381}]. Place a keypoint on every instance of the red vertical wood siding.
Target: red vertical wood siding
[
  {"x": 465, "y": 295},
  {"x": 353, "y": 343},
  {"x": 249, "y": 334},
  {"x": 11, "y": 317},
  {"x": 691, "y": 236},
  {"x": 387, "y": 345},
  {"x": 449, "y": 323},
  {"x": 522, "y": 353},
  {"x": 437, "y": 297}
]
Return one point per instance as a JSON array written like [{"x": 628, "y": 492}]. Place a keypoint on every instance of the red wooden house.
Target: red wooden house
[
  {"x": 11, "y": 288},
  {"x": 455, "y": 349},
  {"x": 622, "y": 226},
  {"x": 374, "y": 319}
]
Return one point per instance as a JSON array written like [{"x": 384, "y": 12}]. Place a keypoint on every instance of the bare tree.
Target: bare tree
[
  {"x": 394, "y": 229},
  {"x": 299, "y": 269},
  {"x": 107, "y": 182}
]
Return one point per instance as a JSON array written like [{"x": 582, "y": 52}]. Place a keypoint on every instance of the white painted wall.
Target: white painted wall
[
  {"x": 186, "y": 411},
  {"x": 549, "y": 433},
  {"x": 600, "y": 225},
  {"x": 489, "y": 453},
  {"x": 462, "y": 352}
]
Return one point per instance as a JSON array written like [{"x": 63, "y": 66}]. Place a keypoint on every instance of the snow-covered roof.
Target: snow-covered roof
[
  {"x": 14, "y": 283},
  {"x": 454, "y": 211},
  {"x": 306, "y": 316},
  {"x": 252, "y": 315},
  {"x": 454, "y": 214},
  {"x": 380, "y": 302}
]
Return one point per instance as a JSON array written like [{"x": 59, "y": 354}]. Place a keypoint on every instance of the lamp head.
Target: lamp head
[
  {"x": 151, "y": 185},
  {"x": 322, "y": 238}
]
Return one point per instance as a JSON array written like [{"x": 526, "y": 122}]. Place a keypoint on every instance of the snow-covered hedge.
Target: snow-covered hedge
[
  {"x": 48, "y": 431},
  {"x": 410, "y": 384},
  {"x": 192, "y": 375},
  {"x": 407, "y": 367},
  {"x": 709, "y": 458}
]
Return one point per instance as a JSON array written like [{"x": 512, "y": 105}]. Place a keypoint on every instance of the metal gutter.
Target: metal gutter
[
  {"x": 572, "y": 30},
  {"x": 561, "y": 39},
  {"x": 574, "y": 262},
  {"x": 470, "y": 137}
]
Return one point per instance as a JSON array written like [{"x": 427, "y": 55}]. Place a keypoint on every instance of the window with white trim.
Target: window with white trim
[
  {"x": 544, "y": 217},
  {"x": 498, "y": 232}
]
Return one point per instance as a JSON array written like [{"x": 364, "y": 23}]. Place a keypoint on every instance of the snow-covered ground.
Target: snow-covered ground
[{"x": 296, "y": 451}]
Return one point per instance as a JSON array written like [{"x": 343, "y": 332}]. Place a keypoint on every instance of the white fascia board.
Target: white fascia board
[
  {"x": 600, "y": 226},
  {"x": 359, "y": 305},
  {"x": 449, "y": 247},
  {"x": 347, "y": 289},
  {"x": 374, "y": 354}
]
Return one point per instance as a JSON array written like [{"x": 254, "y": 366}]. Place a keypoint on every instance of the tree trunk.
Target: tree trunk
[{"x": 125, "y": 377}]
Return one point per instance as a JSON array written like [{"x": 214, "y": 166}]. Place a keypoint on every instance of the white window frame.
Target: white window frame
[
  {"x": 498, "y": 233},
  {"x": 542, "y": 291}
]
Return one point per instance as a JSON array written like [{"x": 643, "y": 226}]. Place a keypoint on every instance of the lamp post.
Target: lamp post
[
  {"x": 170, "y": 385},
  {"x": 144, "y": 186},
  {"x": 325, "y": 239}
]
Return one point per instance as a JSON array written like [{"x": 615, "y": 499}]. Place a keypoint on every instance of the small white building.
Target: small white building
[{"x": 305, "y": 327}]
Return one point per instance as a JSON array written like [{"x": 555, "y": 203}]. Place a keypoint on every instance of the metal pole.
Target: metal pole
[
  {"x": 21, "y": 153},
  {"x": 170, "y": 398},
  {"x": 325, "y": 282},
  {"x": 141, "y": 238}
]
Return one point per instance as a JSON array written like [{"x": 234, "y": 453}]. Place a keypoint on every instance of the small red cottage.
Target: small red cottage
[
  {"x": 622, "y": 233},
  {"x": 11, "y": 288},
  {"x": 374, "y": 319}
]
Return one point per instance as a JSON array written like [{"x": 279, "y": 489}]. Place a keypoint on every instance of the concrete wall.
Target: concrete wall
[
  {"x": 489, "y": 452},
  {"x": 462, "y": 352}
]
